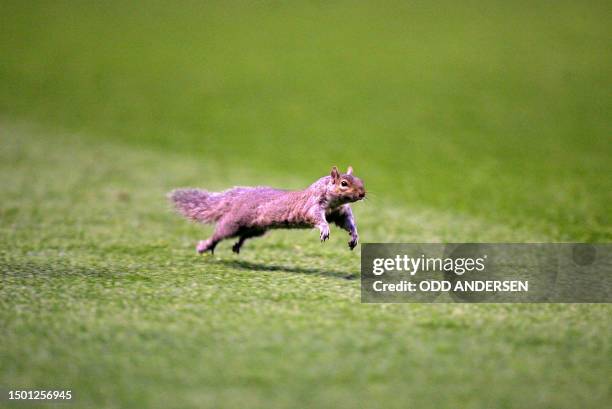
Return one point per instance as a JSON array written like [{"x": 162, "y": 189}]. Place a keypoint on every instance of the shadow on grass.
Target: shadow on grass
[
  {"x": 62, "y": 268},
  {"x": 247, "y": 265}
]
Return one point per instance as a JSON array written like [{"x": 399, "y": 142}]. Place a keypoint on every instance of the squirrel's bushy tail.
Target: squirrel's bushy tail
[{"x": 196, "y": 204}]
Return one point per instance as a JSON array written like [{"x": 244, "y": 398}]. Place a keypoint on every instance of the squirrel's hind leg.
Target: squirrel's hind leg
[
  {"x": 206, "y": 245},
  {"x": 222, "y": 231},
  {"x": 243, "y": 237},
  {"x": 238, "y": 244}
]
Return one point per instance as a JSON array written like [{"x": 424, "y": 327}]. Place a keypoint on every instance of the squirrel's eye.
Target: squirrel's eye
[{"x": 344, "y": 183}]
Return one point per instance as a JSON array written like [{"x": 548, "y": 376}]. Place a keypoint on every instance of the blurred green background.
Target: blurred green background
[
  {"x": 496, "y": 109},
  {"x": 476, "y": 121}
]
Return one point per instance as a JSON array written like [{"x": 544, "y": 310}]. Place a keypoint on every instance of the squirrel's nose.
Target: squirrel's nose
[{"x": 362, "y": 194}]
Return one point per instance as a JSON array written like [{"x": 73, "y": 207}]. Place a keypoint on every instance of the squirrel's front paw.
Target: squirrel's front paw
[
  {"x": 353, "y": 242},
  {"x": 324, "y": 232}
]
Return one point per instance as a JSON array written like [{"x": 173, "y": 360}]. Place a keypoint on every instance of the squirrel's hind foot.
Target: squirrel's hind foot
[{"x": 206, "y": 245}]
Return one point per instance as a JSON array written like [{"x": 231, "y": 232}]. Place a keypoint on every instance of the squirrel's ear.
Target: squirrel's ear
[
  {"x": 349, "y": 171},
  {"x": 334, "y": 173}
]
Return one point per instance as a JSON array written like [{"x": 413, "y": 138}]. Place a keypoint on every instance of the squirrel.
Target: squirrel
[{"x": 247, "y": 212}]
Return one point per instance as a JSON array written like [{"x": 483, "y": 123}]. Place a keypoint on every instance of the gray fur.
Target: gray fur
[{"x": 247, "y": 212}]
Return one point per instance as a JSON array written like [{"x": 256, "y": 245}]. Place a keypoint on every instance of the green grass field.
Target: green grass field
[{"x": 486, "y": 122}]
